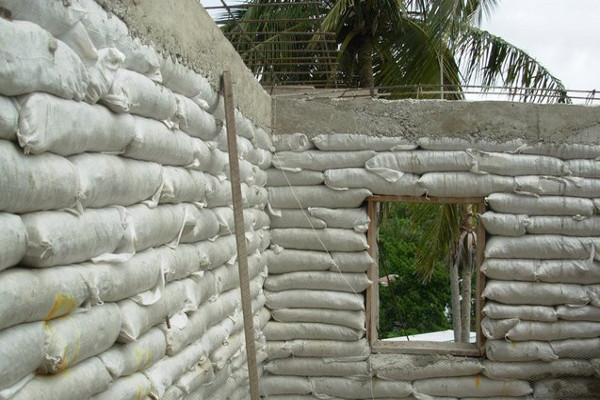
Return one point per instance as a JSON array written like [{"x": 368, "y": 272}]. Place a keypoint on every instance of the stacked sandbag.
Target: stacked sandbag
[{"x": 118, "y": 269}]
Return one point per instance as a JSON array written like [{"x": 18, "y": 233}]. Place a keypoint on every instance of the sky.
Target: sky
[{"x": 563, "y": 35}]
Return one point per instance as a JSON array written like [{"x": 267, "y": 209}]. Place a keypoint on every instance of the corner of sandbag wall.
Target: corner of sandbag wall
[
  {"x": 118, "y": 269},
  {"x": 537, "y": 168}
]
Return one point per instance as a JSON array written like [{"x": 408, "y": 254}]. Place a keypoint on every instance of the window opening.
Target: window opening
[{"x": 426, "y": 291}]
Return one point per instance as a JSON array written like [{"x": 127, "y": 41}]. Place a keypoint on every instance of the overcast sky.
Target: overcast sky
[{"x": 563, "y": 35}]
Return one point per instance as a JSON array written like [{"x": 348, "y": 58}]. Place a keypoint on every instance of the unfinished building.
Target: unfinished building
[{"x": 118, "y": 258}]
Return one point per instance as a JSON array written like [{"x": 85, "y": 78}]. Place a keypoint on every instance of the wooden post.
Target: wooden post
[
  {"x": 372, "y": 298},
  {"x": 240, "y": 239}
]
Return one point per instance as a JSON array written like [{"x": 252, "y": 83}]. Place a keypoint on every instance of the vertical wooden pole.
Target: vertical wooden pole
[
  {"x": 236, "y": 191},
  {"x": 372, "y": 298},
  {"x": 480, "y": 282}
]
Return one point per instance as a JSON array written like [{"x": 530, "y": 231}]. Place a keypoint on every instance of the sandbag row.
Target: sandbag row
[{"x": 118, "y": 262}]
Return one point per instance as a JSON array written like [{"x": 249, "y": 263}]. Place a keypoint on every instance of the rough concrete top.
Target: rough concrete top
[
  {"x": 498, "y": 121},
  {"x": 184, "y": 30}
]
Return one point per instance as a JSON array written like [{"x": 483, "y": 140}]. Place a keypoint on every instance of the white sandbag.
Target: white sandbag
[
  {"x": 502, "y": 350},
  {"x": 310, "y": 330},
  {"x": 48, "y": 123},
  {"x": 182, "y": 261},
  {"x": 352, "y": 142},
  {"x": 244, "y": 146},
  {"x": 126, "y": 359},
  {"x": 165, "y": 372},
  {"x": 533, "y": 293},
  {"x": 320, "y": 161},
  {"x": 243, "y": 126},
  {"x": 61, "y": 20},
  {"x": 200, "y": 375},
  {"x": 464, "y": 184},
  {"x": 182, "y": 185},
  {"x": 329, "y": 349},
  {"x": 201, "y": 224},
  {"x": 354, "y": 218},
  {"x": 317, "y": 367},
  {"x": 179, "y": 78},
  {"x": 138, "y": 319},
  {"x": 22, "y": 350},
  {"x": 565, "y": 151},
  {"x": 539, "y": 247},
  {"x": 316, "y": 196},
  {"x": 348, "y": 388},
  {"x": 552, "y": 205},
  {"x": 111, "y": 180},
  {"x": 34, "y": 61},
  {"x": 295, "y": 219},
  {"x": 110, "y": 282},
  {"x": 262, "y": 139},
  {"x": 263, "y": 159},
  {"x": 551, "y": 271},
  {"x": 351, "y": 319},
  {"x": 535, "y": 370},
  {"x": 76, "y": 337},
  {"x": 539, "y": 185},
  {"x": 569, "y": 226},
  {"x": 342, "y": 179},
  {"x": 497, "y": 328},
  {"x": 454, "y": 143},
  {"x": 298, "y": 260},
  {"x": 106, "y": 30},
  {"x": 218, "y": 252},
  {"x": 478, "y": 386},
  {"x": 505, "y": 224},
  {"x": 580, "y": 388},
  {"x": 226, "y": 221},
  {"x": 584, "y": 168},
  {"x": 392, "y": 166},
  {"x": 102, "y": 74},
  {"x": 318, "y": 280},
  {"x": 222, "y": 195},
  {"x": 315, "y": 299},
  {"x": 259, "y": 217},
  {"x": 582, "y": 187},
  {"x": 32, "y": 183},
  {"x": 219, "y": 164},
  {"x": 246, "y": 172},
  {"x": 576, "y": 348},
  {"x": 272, "y": 384},
  {"x": 522, "y": 312},
  {"x": 13, "y": 241},
  {"x": 406, "y": 367},
  {"x": 58, "y": 291},
  {"x": 153, "y": 141},
  {"x": 233, "y": 346},
  {"x": 81, "y": 381},
  {"x": 199, "y": 321},
  {"x": 329, "y": 239},
  {"x": 158, "y": 226},
  {"x": 9, "y": 118},
  {"x": 277, "y": 177},
  {"x": 58, "y": 237},
  {"x": 227, "y": 276},
  {"x": 257, "y": 196},
  {"x": 134, "y": 93},
  {"x": 132, "y": 387},
  {"x": 517, "y": 164},
  {"x": 546, "y": 331},
  {"x": 297, "y": 142},
  {"x": 585, "y": 313},
  {"x": 351, "y": 262},
  {"x": 195, "y": 121}
]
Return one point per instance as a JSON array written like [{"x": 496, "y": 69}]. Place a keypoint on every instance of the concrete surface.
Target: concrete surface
[
  {"x": 498, "y": 121},
  {"x": 182, "y": 28}
]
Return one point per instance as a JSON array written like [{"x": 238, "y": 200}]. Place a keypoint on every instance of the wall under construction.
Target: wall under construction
[{"x": 118, "y": 270}]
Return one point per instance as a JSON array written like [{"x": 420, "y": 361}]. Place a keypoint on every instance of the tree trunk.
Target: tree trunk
[
  {"x": 467, "y": 270},
  {"x": 365, "y": 63},
  {"x": 455, "y": 303}
]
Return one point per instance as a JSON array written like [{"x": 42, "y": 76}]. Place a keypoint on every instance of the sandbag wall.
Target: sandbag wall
[
  {"x": 118, "y": 272},
  {"x": 541, "y": 312}
]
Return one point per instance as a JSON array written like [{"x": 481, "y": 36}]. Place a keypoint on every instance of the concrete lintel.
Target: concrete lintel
[{"x": 497, "y": 121}]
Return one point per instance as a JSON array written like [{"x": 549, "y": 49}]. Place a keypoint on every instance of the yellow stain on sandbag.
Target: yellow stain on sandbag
[
  {"x": 143, "y": 357},
  {"x": 477, "y": 382},
  {"x": 63, "y": 304},
  {"x": 141, "y": 393}
]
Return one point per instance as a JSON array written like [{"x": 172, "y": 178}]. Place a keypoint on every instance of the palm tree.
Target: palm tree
[{"x": 387, "y": 43}]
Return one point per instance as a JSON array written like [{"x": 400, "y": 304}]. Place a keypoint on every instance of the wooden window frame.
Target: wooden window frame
[{"x": 476, "y": 349}]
